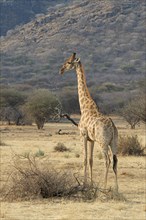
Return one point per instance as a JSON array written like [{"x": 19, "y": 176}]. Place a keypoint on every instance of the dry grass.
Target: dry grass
[
  {"x": 2, "y": 143},
  {"x": 32, "y": 180},
  {"x": 130, "y": 145},
  {"x": 60, "y": 147},
  {"x": 27, "y": 140}
]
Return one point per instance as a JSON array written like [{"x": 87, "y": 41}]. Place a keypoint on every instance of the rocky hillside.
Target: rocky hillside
[
  {"x": 18, "y": 12},
  {"x": 108, "y": 36}
]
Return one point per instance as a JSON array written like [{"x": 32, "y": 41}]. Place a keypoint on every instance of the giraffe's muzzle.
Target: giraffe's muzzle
[{"x": 61, "y": 71}]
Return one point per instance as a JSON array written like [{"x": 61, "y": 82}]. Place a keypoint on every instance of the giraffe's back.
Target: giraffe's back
[{"x": 100, "y": 129}]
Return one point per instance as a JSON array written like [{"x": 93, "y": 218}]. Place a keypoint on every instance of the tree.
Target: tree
[
  {"x": 129, "y": 115},
  {"x": 135, "y": 110},
  {"x": 129, "y": 69},
  {"x": 139, "y": 108},
  {"x": 42, "y": 106},
  {"x": 69, "y": 100},
  {"x": 10, "y": 102},
  {"x": 11, "y": 97},
  {"x": 140, "y": 111}
]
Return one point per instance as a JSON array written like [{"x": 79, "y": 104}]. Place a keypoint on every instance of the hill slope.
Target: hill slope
[
  {"x": 18, "y": 12},
  {"x": 107, "y": 35}
]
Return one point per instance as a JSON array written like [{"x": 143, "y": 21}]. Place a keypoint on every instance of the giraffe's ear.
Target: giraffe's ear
[{"x": 77, "y": 60}]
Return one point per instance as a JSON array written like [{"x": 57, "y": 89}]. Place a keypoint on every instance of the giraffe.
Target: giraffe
[{"x": 93, "y": 125}]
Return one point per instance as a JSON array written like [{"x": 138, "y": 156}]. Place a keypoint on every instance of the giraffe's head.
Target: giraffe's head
[{"x": 71, "y": 63}]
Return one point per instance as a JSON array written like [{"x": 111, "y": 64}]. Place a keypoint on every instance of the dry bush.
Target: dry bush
[
  {"x": 2, "y": 143},
  {"x": 77, "y": 155},
  {"x": 60, "y": 147},
  {"x": 130, "y": 145},
  {"x": 31, "y": 180}
]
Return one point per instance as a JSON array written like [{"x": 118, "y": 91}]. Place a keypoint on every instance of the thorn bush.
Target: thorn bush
[
  {"x": 130, "y": 145},
  {"x": 31, "y": 179},
  {"x": 60, "y": 147}
]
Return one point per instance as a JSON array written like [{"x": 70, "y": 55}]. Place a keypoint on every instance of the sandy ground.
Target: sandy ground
[{"x": 131, "y": 175}]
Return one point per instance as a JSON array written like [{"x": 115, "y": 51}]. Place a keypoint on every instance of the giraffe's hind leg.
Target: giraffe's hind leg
[
  {"x": 115, "y": 161},
  {"x": 113, "y": 146},
  {"x": 107, "y": 164}
]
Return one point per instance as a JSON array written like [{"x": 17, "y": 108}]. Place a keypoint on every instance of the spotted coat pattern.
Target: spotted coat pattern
[{"x": 93, "y": 125}]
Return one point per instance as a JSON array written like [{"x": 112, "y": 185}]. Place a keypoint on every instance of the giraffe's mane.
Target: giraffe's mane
[
  {"x": 82, "y": 69},
  {"x": 87, "y": 90},
  {"x": 84, "y": 78}
]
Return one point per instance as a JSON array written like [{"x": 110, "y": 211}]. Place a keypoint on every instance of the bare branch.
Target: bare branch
[{"x": 69, "y": 118}]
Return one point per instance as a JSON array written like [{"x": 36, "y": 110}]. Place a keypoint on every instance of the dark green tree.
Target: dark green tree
[
  {"x": 42, "y": 105},
  {"x": 69, "y": 100},
  {"x": 11, "y": 101}
]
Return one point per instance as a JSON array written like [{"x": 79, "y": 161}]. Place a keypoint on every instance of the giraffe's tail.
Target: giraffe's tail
[{"x": 114, "y": 149}]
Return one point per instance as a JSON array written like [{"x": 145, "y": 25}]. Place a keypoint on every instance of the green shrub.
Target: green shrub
[
  {"x": 39, "y": 153},
  {"x": 130, "y": 145}
]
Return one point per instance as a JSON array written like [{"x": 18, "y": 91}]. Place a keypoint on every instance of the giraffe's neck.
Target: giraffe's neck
[{"x": 85, "y": 99}]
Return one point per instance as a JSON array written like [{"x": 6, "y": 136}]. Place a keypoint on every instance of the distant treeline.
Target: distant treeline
[{"x": 41, "y": 106}]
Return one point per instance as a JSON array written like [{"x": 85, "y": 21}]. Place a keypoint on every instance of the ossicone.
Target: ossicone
[{"x": 73, "y": 55}]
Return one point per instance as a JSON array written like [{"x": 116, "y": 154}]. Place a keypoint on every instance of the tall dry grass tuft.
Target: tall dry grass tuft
[
  {"x": 2, "y": 143},
  {"x": 60, "y": 147},
  {"x": 130, "y": 145}
]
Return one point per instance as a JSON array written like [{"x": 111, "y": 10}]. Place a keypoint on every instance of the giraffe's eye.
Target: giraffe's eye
[{"x": 69, "y": 62}]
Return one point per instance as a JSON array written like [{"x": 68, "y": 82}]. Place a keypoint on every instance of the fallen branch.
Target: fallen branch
[
  {"x": 60, "y": 132},
  {"x": 69, "y": 118}
]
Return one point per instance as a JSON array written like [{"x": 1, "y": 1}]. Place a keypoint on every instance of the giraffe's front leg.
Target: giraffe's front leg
[
  {"x": 91, "y": 147},
  {"x": 85, "y": 160}
]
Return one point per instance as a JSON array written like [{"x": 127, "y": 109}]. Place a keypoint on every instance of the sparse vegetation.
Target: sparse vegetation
[
  {"x": 60, "y": 147},
  {"x": 110, "y": 40},
  {"x": 135, "y": 110},
  {"x": 2, "y": 143},
  {"x": 69, "y": 100},
  {"x": 77, "y": 155},
  {"x": 20, "y": 180},
  {"x": 39, "y": 153},
  {"x": 129, "y": 69},
  {"x": 130, "y": 145},
  {"x": 129, "y": 115},
  {"x": 119, "y": 56},
  {"x": 42, "y": 106},
  {"x": 11, "y": 101},
  {"x": 31, "y": 180},
  {"x": 26, "y": 12}
]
